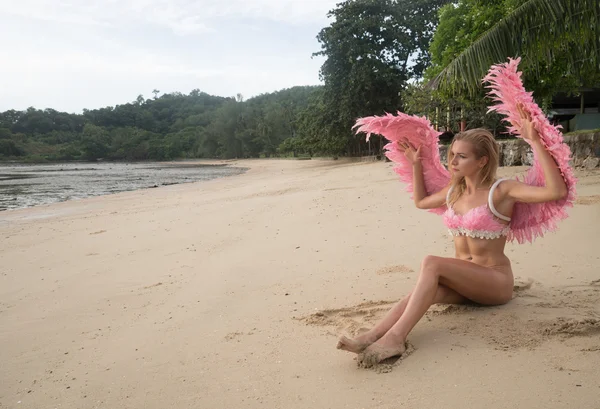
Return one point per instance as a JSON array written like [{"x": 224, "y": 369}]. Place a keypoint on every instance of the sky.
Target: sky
[{"x": 74, "y": 54}]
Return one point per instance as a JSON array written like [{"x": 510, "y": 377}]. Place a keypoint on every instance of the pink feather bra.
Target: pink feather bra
[
  {"x": 529, "y": 220},
  {"x": 480, "y": 222}
]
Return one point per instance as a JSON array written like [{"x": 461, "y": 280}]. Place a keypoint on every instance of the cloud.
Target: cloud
[
  {"x": 182, "y": 17},
  {"x": 71, "y": 54}
]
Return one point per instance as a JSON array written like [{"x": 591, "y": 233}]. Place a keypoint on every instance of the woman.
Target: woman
[{"x": 478, "y": 214}]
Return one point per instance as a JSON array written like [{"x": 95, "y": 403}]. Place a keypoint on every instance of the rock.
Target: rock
[
  {"x": 591, "y": 163},
  {"x": 585, "y": 148},
  {"x": 444, "y": 153},
  {"x": 528, "y": 157},
  {"x": 510, "y": 156},
  {"x": 584, "y": 145},
  {"x": 515, "y": 153}
]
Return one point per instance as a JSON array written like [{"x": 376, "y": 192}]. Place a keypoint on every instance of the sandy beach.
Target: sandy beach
[{"x": 232, "y": 293}]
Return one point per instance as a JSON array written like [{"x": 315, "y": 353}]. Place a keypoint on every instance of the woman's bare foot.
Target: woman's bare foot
[
  {"x": 388, "y": 346},
  {"x": 356, "y": 345}
]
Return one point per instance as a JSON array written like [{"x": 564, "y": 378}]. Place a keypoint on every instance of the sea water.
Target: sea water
[{"x": 25, "y": 185}]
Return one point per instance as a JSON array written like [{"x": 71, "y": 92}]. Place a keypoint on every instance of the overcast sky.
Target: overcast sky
[{"x": 75, "y": 54}]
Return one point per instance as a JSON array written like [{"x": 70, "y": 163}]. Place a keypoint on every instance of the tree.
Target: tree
[
  {"x": 155, "y": 92},
  {"x": 95, "y": 141},
  {"x": 449, "y": 114},
  {"x": 372, "y": 49},
  {"x": 5, "y": 133},
  {"x": 559, "y": 41},
  {"x": 10, "y": 148},
  {"x": 172, "y": 126}
]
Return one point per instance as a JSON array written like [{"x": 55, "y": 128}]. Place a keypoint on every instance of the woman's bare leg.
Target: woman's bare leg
[
  {"x": 444, "y": 295},
  {"x": 480, "y": 284}
]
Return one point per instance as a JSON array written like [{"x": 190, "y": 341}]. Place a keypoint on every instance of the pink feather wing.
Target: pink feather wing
[
  {"x": 418, "y": 132},
  {"x": 531, "y": 220}
]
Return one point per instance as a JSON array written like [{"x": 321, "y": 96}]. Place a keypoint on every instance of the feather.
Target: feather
[
  {"x": 417, "y": 131},
  {"x": 531, "y": 220}
]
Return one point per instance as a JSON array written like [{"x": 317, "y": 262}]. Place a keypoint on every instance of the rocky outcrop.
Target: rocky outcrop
[
  {"x": 590, "y": 163},
  {"x": 585, "y": 148},
  {"x": 516, "y": 152}
]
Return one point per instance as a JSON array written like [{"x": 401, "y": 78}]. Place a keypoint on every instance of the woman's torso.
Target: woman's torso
[
  {"x": 485, "y": 252},
  {"x": 479, "y": 226}
]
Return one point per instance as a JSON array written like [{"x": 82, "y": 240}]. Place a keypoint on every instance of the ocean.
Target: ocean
[{"x": 26, "y": 185}]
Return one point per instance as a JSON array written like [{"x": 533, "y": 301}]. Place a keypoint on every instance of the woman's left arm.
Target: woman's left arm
[{"x": 555, "y": 188}]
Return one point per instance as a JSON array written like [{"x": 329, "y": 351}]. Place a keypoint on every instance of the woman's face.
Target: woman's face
[{"x": 464, "y": 161}]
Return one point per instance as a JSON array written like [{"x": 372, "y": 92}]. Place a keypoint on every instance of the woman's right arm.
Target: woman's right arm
[{"x": 420, "y": 197}]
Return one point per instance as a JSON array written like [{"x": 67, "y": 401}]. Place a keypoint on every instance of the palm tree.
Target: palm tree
[{"x": 540, "y": 31}]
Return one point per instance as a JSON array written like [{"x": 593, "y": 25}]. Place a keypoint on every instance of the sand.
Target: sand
[{"x": 232, "y": 293}]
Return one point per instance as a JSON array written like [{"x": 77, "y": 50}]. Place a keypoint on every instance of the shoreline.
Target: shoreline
[
  {"x": 232, "y": 294},
  {"x": 63, "y": 182}
]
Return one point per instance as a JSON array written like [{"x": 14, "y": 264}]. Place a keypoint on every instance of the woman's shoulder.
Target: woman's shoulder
[
  {"x": 504, "y": 184},
  {"x": 501, "y": 187}
]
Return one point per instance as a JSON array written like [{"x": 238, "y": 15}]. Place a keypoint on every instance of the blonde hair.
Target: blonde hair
[{"x": 484, "y": 144}]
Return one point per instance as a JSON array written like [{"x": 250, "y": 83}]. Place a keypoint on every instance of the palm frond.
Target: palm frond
[{"x": 538, "y": 31}]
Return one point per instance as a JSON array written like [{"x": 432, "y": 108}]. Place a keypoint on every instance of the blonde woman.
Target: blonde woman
[{"x": 480, "y": 211}]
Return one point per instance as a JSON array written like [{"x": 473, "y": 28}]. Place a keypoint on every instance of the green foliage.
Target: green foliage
[
  {"x": 168, "y": 127},
  {"x": 461, "y": 24},
  {"x": 5, "y": 133},
  {"x": 368, "y": 47},
  {"x": 95, "y": 142},
  {"x": 447, "y": 113},
  {"x": 10, "y": 148},
  {"x": 584, "y": 131},
  {"x": 558, "y": 40}
]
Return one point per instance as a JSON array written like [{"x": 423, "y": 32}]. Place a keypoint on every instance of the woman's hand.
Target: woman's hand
[
  {"x": 555, "y": 187},
  {"x": 412, "y": 155},
  {"x": 528, "y": 131}
]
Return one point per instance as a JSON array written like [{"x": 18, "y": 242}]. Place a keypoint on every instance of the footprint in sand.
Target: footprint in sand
[
  {"x": 521, "y": 286},
  {"x": 153, "y": 285},
  {"x": 338, "y": 188},
  {"x": 4, "y": 306},
  {"x": 352, "y": 319},
  {"x": 387, "y": 365},
  {"x": 574, "y": 327},
  {"x": 587, "y": 200},
  {"x": 232, "y": 336},
  {"x": 402, "y": 269}
]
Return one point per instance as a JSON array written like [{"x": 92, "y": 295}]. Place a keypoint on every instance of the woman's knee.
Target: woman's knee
[{"x": 431, "y": 265}]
